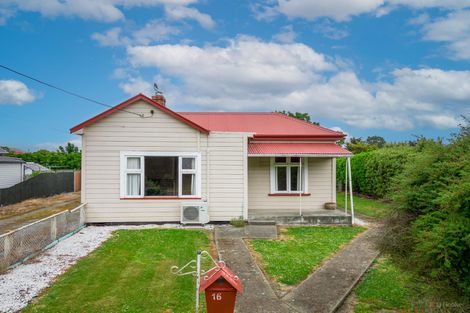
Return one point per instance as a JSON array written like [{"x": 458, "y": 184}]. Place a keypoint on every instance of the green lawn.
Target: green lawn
[
  {"x": 386, "y": 286},
  {"x": 368, "y": 207},
  {"x": 290, "y": 260},
  {"x": 129, "y": 273}
]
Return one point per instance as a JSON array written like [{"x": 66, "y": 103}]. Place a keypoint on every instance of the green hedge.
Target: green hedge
[
  {"x": 372, "y": 172},
  {"x": 435, "y": 191},
  {"x": 53, "y": 159},
  {"x": 430, "y": 187}
]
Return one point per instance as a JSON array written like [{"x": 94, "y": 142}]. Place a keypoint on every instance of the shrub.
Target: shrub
[
  {"x": 238, "y": 222},
  {"x": 372, "y": 172},
  {"x": 434, "y": 190},
  {"x": 53, "y": 160}
]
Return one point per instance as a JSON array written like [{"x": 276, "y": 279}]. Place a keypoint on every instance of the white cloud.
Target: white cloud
[
  {"x": 329, "y": 31},
  {"x": 182, "y": 12},
  {"x": 286, "y": 35},
  {"x": 453, "y": 29},
  {"x": 110, "y": 38},
  {"x": 99, "y": 10},
  {"x": 339, "y": 10},
  {"x": 422, "y": 4},
  {"x": 153, "y": 31},
  {"x": 343, "y": 10},
  {"x": 250, "y": 74},
  {"x": 440, "y": 121},
  {"x": 87, "y": 9},
  {"x": 15, "y": 92},
  {"x": 135, "y": 85}
]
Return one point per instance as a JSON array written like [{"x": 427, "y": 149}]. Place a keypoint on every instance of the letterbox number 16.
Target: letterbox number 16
[{"x": 217, "y": 296}]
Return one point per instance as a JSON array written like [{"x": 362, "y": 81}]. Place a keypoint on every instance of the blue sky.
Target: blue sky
[{"x": 393, "y": 68}]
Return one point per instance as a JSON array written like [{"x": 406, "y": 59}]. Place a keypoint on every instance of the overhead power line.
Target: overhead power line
[{"x": 71, "y": 93}]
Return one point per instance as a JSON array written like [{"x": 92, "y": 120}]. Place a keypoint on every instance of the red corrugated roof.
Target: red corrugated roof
[
  {"x": 264, "y": 126},
  {"x": 296, "y": 149},
  {"x": 267, "y": 125}
]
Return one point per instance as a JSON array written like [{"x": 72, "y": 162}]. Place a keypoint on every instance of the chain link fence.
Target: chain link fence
[{"x": 24, "y": 242}]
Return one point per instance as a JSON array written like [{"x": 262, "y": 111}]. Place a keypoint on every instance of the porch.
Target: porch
[{"x": 291, "y": 183}]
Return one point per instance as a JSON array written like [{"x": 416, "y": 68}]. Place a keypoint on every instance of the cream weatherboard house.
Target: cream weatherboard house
[{"x": 143, "y": 162}]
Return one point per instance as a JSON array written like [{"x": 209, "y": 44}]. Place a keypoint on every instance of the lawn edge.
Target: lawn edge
[
  {"x": 277, "y": 286},
  {"x": 354, "y": 285}
]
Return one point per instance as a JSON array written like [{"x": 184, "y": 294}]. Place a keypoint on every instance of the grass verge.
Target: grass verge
[
  {"x": 389, "y": 287},
  {"x": 301, "y": 250},
  {"x": 38, "y": 203},
  {"x": 365, "y": 206},
  {"x": 129, "y": 273}
]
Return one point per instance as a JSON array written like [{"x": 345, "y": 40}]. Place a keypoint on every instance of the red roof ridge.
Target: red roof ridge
[
  {"x": 223, "y": 112},
  {"x": 308, "y": 123}
]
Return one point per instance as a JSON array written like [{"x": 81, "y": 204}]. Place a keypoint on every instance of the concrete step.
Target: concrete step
[
  {"x": 262, "y": 222},
  {"x": 307, "y": 220}
]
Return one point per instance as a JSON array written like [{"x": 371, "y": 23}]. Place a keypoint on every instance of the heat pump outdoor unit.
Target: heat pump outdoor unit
[{"x": 194, "y": 213}]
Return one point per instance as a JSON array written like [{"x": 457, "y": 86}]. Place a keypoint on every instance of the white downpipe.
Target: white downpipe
[
  {"x": 301, "y": 187},
  {"x": 346, "y": 188},
  {"x": 350, "y": 191}
]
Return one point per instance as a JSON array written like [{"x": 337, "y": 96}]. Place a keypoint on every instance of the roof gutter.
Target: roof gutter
[{"x": 264, "y": 137}]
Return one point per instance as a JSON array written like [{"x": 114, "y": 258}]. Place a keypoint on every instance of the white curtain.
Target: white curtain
[
  {"x": 133, "y": 163},
  {"x": 188, "y": 185},
  {"x": 133, "y": 184}
]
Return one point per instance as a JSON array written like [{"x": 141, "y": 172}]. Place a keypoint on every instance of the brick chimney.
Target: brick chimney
[{"x": 160, "y": 99}]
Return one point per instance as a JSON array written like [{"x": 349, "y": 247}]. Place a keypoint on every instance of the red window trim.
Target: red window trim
[
  {"x": 288, "y": 194},
  {"x": 163, "y": 198}
]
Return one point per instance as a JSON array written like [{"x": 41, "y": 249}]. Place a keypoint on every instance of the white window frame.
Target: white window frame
[
  {"x": 142, "y": 154},
  {"x": 133, "y": 171},
  {"x": 304, "y": 174}
]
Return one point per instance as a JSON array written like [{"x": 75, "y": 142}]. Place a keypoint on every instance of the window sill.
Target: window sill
[
  {"x": 163, "y": 198},
  {"x": 280, "y": 194}
]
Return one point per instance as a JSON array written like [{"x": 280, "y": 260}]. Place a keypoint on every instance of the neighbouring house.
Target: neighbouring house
[
  {"x": 32, "y": 167},
  {"x": 142, "y": 161},
  {"x": 11, "y": 170}
]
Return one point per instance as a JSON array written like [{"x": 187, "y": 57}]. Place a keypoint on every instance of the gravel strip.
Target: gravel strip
[{"x": 23, "y": 283}]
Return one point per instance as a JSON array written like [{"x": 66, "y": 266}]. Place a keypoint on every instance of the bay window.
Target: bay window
[
  {"x": 160, "y": 175},
  {"x": 288, "y": 175}
]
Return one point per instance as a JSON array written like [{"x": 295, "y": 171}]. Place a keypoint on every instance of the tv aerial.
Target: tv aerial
[{"x": 157, "y": 89}]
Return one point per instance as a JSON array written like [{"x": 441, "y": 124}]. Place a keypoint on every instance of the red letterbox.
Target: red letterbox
[{"x": 221, "y": 286}]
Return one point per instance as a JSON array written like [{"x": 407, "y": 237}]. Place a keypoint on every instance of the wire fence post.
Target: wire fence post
[
  {"x": 53, "y": 228},
  {"x": 198, "y": 278},
  {"x": 82, "y": 216},
  {"x": 6, "y": 252},
  {"x": 350, "y": 191}
]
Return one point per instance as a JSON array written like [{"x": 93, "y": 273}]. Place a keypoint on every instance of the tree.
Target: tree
[
  {"x": 376, "y": 140},
  {"x": 357, "y": 145},
  {"x": 69, "y": 148},
  {"x": 298, "y": 115}
]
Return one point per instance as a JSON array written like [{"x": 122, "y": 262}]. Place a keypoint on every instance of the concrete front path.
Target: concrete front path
[
  {"x": 322, "y": 292},
  {"x": 326, "y": 289},
  {"x": 258, "y": 295}
]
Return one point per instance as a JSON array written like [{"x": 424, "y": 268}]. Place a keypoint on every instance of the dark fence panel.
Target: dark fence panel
[{"x": 43, "y": 185}]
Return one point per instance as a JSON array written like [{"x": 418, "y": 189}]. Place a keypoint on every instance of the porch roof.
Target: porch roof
[{"x": 302, "y": 149}]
